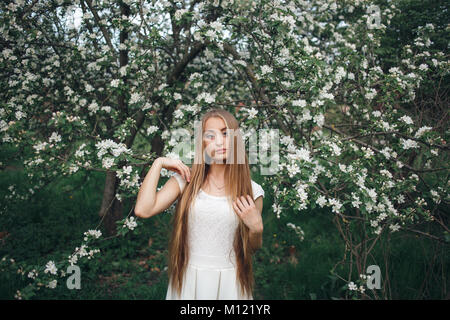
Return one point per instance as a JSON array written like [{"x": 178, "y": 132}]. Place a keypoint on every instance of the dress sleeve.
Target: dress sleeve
[
  {"x": 180, "y": 180},
  {"x": 257, "y": 190}
]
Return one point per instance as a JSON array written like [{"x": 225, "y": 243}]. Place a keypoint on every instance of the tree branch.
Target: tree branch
[{"x": 102, "y": 28}]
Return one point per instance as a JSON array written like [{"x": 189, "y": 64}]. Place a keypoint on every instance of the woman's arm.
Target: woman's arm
[
  {"x": 255, "y": 236},
  {"x": 149, "y": 202}
]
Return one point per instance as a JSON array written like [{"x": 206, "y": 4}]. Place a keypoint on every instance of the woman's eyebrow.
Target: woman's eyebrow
[{"x": 213, "y": 130}]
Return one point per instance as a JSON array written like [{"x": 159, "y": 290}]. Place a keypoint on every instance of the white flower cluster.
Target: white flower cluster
[
  {"x": 388, "y": 153},
  {"x": 356, "y": 201},
  {"x": 109, "y": 145},
  {"x": 215, "y": 31},
  {"x": 32, "y": 274},
  {"x": 82, "y": 252},
  {"x": 265, "y": 69},
  {"x": 18, "y": 295},
  {"x": 421, "y": 131},
  {"x": 93, "y": 107},
  {"x": 130, "y": 223},
  {"x": 394, "y": 227},
  {"x": 335, "y": 149},
  {"x": 435, "y": 196},
  {"x": 385, "y": 208},
  {"x": 299, "y": 103},
  {"x": 115, "y": 83},
  {"x": 370, "y": 94},
  {"x": 407, "y": 120},
  {"x": 340, "y": 74},
  {"x": 251, "y": 112},
  {"x": 302, "y": 195},
  {"x": 335, "y": 204},
  {"x": 40, "y": 146},
  {"x": 207, "y": 97},
  {"x": 277, "y": 209},
  {"x": 353, "y": 287},
  {"x": 125, "y": 177},
  {"x": 50, "y": 267},
  {"x": 92, "y": 233},
  {"x": 408, "y": 144},
  {"x": 135, "y": 98},
  {"x": 52, "y": 284},
  {"x": 299, "y": 154},
  {"x": 178, "y": 114},
  {"x": 179, "y": 13},
  {"x": 107, "y": 162},
  {"x": 292, "y": 169},
  {"x": 297, "y": 229},
  {"x": 151, "y": 130},
  {"x": 55, "y": 137},
  {"x": 81, "y": 152},
  {"x": 321, "y": 201}
]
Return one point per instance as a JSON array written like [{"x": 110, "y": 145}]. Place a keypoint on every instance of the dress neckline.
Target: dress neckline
[{"x": 212, "y": 196}]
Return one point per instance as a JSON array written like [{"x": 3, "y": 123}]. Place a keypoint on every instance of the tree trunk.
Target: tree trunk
[{"x": 111, "y": 209}]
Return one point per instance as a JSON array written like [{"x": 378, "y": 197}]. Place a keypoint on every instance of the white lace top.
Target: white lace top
[{"x": 212, "y": 222}]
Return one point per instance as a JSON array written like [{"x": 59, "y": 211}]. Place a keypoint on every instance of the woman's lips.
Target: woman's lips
[{"x": 221, "y": 151}]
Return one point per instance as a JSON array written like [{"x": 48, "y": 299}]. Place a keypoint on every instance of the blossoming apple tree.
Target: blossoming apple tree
[{"x": 102, "y": 85}]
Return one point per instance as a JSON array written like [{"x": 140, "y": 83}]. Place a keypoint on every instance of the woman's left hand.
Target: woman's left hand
[{"x": 245, "y": 208}]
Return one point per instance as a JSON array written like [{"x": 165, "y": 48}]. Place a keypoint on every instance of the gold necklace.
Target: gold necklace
[{"x": 216, "y": 184}]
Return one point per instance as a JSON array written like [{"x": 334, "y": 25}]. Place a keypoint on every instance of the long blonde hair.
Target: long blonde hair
[{"x": 237, "y": 183}]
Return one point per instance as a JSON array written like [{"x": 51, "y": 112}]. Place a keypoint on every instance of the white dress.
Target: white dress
[{"x": 211, "y": 269}]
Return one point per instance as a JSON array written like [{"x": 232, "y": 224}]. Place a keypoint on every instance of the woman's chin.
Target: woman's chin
[{"x": 220, "y": 159}]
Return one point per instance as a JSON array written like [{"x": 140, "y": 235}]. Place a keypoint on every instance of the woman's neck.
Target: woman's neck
[{"x": 217, "y": 171}]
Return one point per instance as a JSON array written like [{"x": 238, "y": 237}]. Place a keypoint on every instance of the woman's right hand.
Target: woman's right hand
[{"x": 177, "y": 166}]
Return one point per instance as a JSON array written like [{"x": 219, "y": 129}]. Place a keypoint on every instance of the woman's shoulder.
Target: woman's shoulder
[
  {"x": 181, "y": 181},
  {"x": 257, "y": 190}
]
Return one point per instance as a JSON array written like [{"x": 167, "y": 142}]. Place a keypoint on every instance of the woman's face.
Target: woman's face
[{"x": 216, "y": 139}]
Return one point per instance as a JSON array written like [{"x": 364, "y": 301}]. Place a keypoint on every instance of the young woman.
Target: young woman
[{"x": 217, "y": 224}]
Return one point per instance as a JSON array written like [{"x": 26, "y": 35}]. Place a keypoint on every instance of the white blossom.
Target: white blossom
[
  {"x": 336, "y": 205},
  {"x": 251, "y": 113},
  {"x": 93, "y": 233},
  {"x": 130, "y": 223},
  {"x": 299, "y": 103},
  {"x": 407, "y": 120},
  {"x": 408, "y": 144},
  {"x": 52, "y": 284},
  {"x": 321, "y": 201},
  {"x": 370, "y": 94},
  {"x": 421, "y": 131},
  {"x": 266, "y": 69},
  {"x": 352, "y": 286},
  {"x": 151, "y": 129},
  {"x": 394, "y": 227},
  {"x": 115, "y": 83},
  {"x": 300, "y": 233},
  {"x": 50, "y": 267},
  {"x": 135, "y": 98}
]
